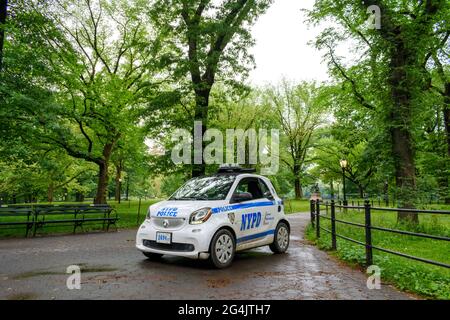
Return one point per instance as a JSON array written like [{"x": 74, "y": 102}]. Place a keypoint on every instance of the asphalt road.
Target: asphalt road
[{"x": 114, "y": 269}]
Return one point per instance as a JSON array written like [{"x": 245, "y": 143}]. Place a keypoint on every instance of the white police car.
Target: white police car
[{"x": 215, "y": 216}]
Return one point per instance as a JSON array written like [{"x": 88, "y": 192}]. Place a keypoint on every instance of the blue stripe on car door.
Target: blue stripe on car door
[{"x": 256, "y": 235}]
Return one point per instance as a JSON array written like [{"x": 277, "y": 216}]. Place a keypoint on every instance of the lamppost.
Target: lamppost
[
  {"x": 120, "y": 187},
  {"x": 343, "y": 163}
]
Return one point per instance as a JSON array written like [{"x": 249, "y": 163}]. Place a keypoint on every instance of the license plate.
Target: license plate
[{"x": 163, "y": 237}]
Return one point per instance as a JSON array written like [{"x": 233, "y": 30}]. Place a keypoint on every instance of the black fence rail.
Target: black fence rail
[{"x": 316, "y": 216}]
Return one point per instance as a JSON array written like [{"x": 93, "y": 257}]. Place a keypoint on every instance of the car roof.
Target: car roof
[{"x": 240, "y": 174}]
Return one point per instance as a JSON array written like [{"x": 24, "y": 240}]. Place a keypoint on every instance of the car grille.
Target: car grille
[
  {"x": 186, "y": 247},
  {"x": 173, "y": 223}
]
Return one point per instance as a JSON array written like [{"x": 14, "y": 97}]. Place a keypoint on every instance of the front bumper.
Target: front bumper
[{"x": 191, "y": 241}]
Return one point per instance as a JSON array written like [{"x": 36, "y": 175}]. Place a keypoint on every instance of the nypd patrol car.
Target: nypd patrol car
[{"x": 212, "y": 217}]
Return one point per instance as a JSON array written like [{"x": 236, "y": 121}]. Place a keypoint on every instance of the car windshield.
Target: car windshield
[{"x": 205, "y": 188}]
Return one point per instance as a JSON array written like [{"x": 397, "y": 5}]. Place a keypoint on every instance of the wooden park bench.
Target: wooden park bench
[
  {"x": 76, "y": 215},
  {"x": 11, "y": 217}
]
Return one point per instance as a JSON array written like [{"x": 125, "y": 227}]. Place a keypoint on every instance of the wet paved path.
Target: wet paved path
[{"x": 35, "y": 269}]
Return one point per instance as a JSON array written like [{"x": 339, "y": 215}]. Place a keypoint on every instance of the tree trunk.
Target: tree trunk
[
  {"x": 298, "y": 188},
  {"x": 297, "y": 182},
  {"x": 201, "y": 114},
  {"x": 400, "y": 118},
  {"x": 3, "y": 13},
  {"x": 446, "y": 112},
  {"x": 102, "y": 184}
]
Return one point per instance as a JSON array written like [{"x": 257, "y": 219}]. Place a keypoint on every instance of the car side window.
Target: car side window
[
  {"x": 265, "y": 189},
  {"x": 242, "y": 187},
  {"x": 251, "y": 186}
]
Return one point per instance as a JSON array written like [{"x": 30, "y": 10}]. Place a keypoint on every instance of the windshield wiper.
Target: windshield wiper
[{"x": 191, "y": 198}]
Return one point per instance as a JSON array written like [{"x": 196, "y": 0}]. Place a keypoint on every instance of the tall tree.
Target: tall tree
[
  {"x": 103, "y": 80},
  {"x": 389, "y": 78},
  {"x": 213, "y": 38},
  {"x": 299, "y": 111}
]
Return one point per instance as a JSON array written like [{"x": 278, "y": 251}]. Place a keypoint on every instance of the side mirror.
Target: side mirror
[
  {"x": 241, "y": 197},
  {"x": 268, "y": 195}
]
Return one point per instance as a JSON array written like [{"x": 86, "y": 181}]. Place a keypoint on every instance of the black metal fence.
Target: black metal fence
[{"x": 316, "y": 216}]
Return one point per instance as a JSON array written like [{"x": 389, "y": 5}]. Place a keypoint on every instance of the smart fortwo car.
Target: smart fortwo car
[{"x": 212, "y": 217}]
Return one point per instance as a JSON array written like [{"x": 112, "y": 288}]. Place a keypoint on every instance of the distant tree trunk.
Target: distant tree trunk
[
  {"x": 361, "y": 191},
  {"x": 117, "y": 179},
  {"x": 128, "y": 187},
  {"x": 3, "y": 13},
  {"x": 297, "y": 182},
  {"x": 79, "y": 196},
  {"x": 386, "y": 193},
  {"x": 331, "y": 189},
  {"x": 50, "y": 191}
]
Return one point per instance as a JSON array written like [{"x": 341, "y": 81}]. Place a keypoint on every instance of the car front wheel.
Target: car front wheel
[
  {"x": 222, "y": 249},
  {"x": 281, "y": 240}
]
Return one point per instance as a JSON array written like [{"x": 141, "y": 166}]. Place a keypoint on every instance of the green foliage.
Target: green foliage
[{"x": 385, "y": 97}]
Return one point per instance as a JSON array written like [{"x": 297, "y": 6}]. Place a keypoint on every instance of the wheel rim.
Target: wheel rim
[
  {"x": 283, "y": 237},
  {"x": 224, "y": 248}
]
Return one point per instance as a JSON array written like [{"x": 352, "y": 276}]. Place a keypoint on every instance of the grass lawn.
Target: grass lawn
[
  {"x": 413, "y": 276},
  {"x": 292, "y": 206}
]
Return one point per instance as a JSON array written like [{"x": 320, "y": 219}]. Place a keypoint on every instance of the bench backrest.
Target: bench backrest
[
  {"x": 11, "y": 212},
  {"x": 72, "y": 209}
]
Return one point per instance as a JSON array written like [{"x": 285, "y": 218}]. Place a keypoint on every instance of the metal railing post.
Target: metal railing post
[
  {"x": 369, "y": 256},
  {"x": 313, "y": 207},
  {"x": 318, "y": 218},
  {"x": 333, "y": 226}
]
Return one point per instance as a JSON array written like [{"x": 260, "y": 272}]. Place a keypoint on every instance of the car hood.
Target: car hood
[{"x": 182, "y": 209}]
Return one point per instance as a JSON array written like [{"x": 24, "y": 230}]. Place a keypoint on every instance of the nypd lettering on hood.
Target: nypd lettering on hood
[{"x": 167, "y": 212}]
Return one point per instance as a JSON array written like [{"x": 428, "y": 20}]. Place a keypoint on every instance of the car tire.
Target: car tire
[
  {"x": 222, "y": 249},
  {"x": 281, "y": 238},
  {"x": 152, "y": 256}
]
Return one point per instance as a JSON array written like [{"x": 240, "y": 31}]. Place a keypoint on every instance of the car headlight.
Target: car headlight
[
  {"x": 200, "y": 216},
  {"x": 148, "y": 215}
]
